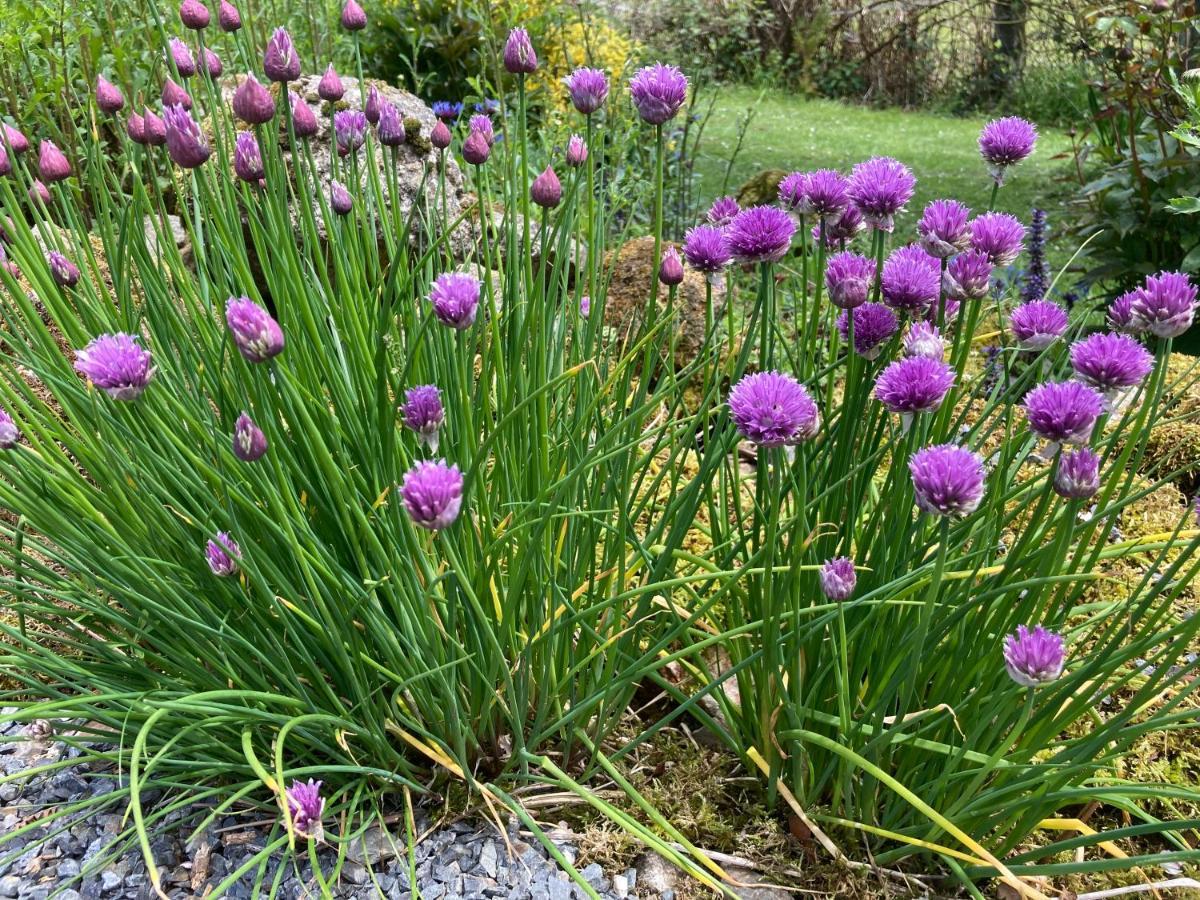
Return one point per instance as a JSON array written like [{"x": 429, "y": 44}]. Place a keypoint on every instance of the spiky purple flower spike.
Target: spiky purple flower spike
[
  {"x": 999, "y": 235},
  {"x": 330, "y": 87},
  {"x": 519, "y": 56},
  {"x": 1034, "y": 658},
  {"x": 588, "y": 89},
  {"x": 280, "y": 60},
  {"x": 422, "y": 411},
  {"x": 247, "y": 160},
  {"x": 185, "y": 140},
  {"x": 1038, "y": 324},
  {"x": 476, "y": 149},
  {"x": 1078, "y": 474},
  {"x": 1110, "y": 362},
  {"x": 249, "y": 442},
  {"x": 340, "y": 200},
  {"x": 914, "y": 384},
  {"x": 911, "y": 280},
  {"x": 968, "y": 276},
  {"x": 760, "y": 234},
  {"x": 432, "y": 494},
  {"x": 116, "y": 364},
  {"x": 349, "y": 130},
  {"x": 772, "y": 409},
  {"x": 391, "y": 126},
  {"x": 10, "y": 435},
  {"x": 257, "y": 335},
  {"x": 306, "y": 808},
  {"x": 706, "y": 250},
  {"x": 1166, "y": 304},
  {"x": 222, "y": 553},
  {"x": 353, "y": 17},
  {"x": 173, "y": 94},
  {"x": 228, "y": 17},
  {"x": 577, "y": 151},
  {"x": 253, "y": 103},
  {"x": 670, "y": 270},
  {"x": 1063, "y": 412},
  {"x": 881, "y": 187},
  {"x": 108, "y": 96},
  {"x": 658, "y": 92},
  {"x": 1006, "y": 142},
  {"x": 1121, "y": 315},
  {"x": 947, "y": 480},
  {"x": 874, "y": 324},
  {"x": 848, "y": 278},
  {"x": 181, "y": 56},
  {"x": 722, "y": 211},
  {"x": 838, "y": 578},
  {"x": 64, "y": 272},
  {"x": 194, "y": 14},
  {"x": 52, "y": 163},
  {"x": 546, "y": 190},
  {"x": 943, "y": 228},
  {"x": 455, "y": 299},
  {"x": 924, "y": 340}
]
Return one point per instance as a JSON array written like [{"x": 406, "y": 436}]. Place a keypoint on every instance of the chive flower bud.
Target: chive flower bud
[
  {"x": 222, "y": 553},
  {"x": 1078, "y": 474},
  {"x": 280, "y": 60},
  {"x": 252, "y": 102},
  {"x": 108, "y": 96},
  {"x": 353, "y": 17},
  {"x": 670, "y": 270},
  {"x": 64, "y": 272},
  {"x": 185, "y": 141},
  {"x": 52, "y": 164},
  {"x": 838, "y": 578},
  {"x": 116, "y": 364},
  {"x": 546, "y": 190},
  {"x": 228, "y": 17},
  {"x": 422, "y": 411},
  {"x": 194, "y": 14},
  {"x": 519, "y": 57},
  {"x": 330, "y": 87},
  {"x": 848, "y": 278},
  {"x": 306, "y": 807},
  {"x": 947, "y": 480},
  {"x": 249, "y": 442},
  {"x": 247, "y": 160},
  {"x": 10, "y": 435},
  {"x": 432, "y": 494},
  {"x": 257, "y": 335},
  {"x": 1034, "y": 658}
]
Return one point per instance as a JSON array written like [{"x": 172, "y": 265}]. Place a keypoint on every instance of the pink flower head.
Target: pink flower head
[
  {"x": 924, "y": 340},
  {"x": 947, "y": 480},
  {"x": 247, "y": 160},
  {"x": 1110, "y": 362},
  {"x": 1038, "y": 324},
  {"x": 173, "y": 94},
  {"x": 588, "y": 89},
  {"x": 658, "y": 92},
  {"x": 1063, "y": 412},
  {"x": 1121, "y": 315},
  {"x": 838, "y": 578},
  {"x": 1034, "y": 658},
  {"x": 911, "y": 280},
  {"x": 476, "y": 148},
  {"x": 881, "y": 187},
  {"x": 330, "y": 87},
  {"x": 455, "y": 299},
  {"x": 999, "y": 235},
  {"x": 519, "y": 57},
  {"x": 353, "y": 17},
  {"x": 760, "y": 234},
  {"x": 722, "y": 211},
  {"x": 185, "y": 141},
  {"x": 432, "y": 492},
  {"x": 249, "y": 442},
  {"x": 422, "y": 411},
  {"x": 181, "y": 55},
  {"x": 546, "y": 190},
  {"x": 577, "y": 151},
  {"x": 108, "y": 96},
  {"x": 52, "y": 164},
  {"x": 914, "y": 384},
  {"x": 253, "y": 103},
  {"x": 349, "y": 130},
  {"x": 706, "y": 250},
  {"x": 280, "y": 60},
  {"x": 222, "y": 553},
  {"x": 440, "y": 135},
  {"x": 257, "y": 335},
  {"x": 670, "y": 270},
  {"x": 848, "y": 278},
  {"x": 1078, "y": 474},
  {"x": 1005, "y": 142},
  {"x": 391, "y": 126},
  {"x": 968, "y": 276},
  {"x": 306, "y": 808},
  {"x": 194, "y": 14},
  {"x": 228, "y": 17},
  {"x": 64, "y": 272},
  {"x": 772, "y": 409},
  {"x": 1166, "y": 304},
  {"x": 116, "y": 364},
  {"x": 874, "y": 325},
  {"x": 943, "y": 228}
]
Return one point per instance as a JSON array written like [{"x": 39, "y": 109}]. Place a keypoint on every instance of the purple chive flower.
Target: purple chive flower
[
  {"x": 280, "y": 60},
  {"x": 476, "y": 149},
  {"x": 519, "y": 58},
  {"x": 1038, "y": 324},
  {"x": 585, "y": 306},
  {"x": 999, "y": 235},
  {"x": 330, "y": 87},
  {"x": 116, "y": 364},
  {"x": 340, "y": 200},
  {"x": 874, "y": 324},
  {"x": 213, "y": 64},
  {"x": 135, "y": 127},
  {"x": 306, "y": 807},
  {"x": 249, "y": 442},
  {"x": 349, "y": 130},
  {"x": 1110, "y": 362},
  {"x": 658, "y": 92},
  {"x": 371, "y": 107},
  {"x": 185, "y": 141},
  {"x": 1166, "y": 304},
  {"x": 10, "y": 435},
  {"x": 923, "y": 340},
  {"x": 838, "y": 578},
  {"x": 228, "y": 17},
  {"x": 52, "y": 164},
  {"x": 943, "y": 228},
  {"x": 911, "y": 280},
  {"x": 181, "y": 55},
  {"x": 155, "y": 129},
  {"x": 447, "y": 110},
  {"x": 455, "y": 299},
  {"x": 968, "y": 276},
  {"x": 760, "y": 234},
  {"x": 722, "y": 211},
  {"x": 391, "y": 126},
  {"x": 257, "y": 335},
  {"x": 848, "y": 278},
  {"x": 304, "y": 120},
  {"x": 253, "y": 103},
  {"x": 108, "y": 96},
  {"x": 914, "y": 384},
  {"x": 222, "y": 553},
  {"x": 432, "y": 493},
  {"x": 841, "y": 230},
  {"x": 193, "y": 14},
  {"x": 772, "y": 409},
  {"x": 440, "y": 135},
  {"x": 38, "y": 192},
  {"x": 353, "y": 17},
  {"x": 64, "y": 272},
  {"x": 174, "y": 95},
  {"x": 828, "y": 193},
  {"x": 16, "y": 140},
  {"x": 1121, "y": 315},
  {"x": 588, "y": 89},
  {"x": 670, "y": 270},
  {"x": 1005, "y": 142},
  {"x": 482, "y": 124},
  {"x": 422, "y": 412},
  {"x": 247, "y": 160},
  {"x": 706, "y": 250},
  {"x": 793, "y": 192},
  {"x": 1034, "y": 658},
  {"x": 546, "y": 190},
  {"x": 577, "y": 151},
  {"x": 947, "y": 480},
  {"x": 5, "y": 165},
  {"x": 880, "y": 188},
  {"x": 1078, "y": 474},
  {"x": 1063, "y": 412}
]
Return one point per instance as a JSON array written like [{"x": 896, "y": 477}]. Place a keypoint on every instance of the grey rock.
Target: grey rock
[
  {"x": 10, "y": 886},
  {"x": 68, "y": 868},
  {"x": 489, "y": 859},
  {"x": 110, "y": 880},
  {"x": 654, "y": 873}
]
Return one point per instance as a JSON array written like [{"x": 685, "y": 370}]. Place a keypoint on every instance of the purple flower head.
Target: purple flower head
[
  {"x": 353, "y": 17},
  {"x": 340, "y": 200},
  {"x": 546, "y": 190},
  {"x": 455, "y": 299},
  {"x": 519, "y": 58},
  {"x": 174, "y": 95},
  {"x": 349, "y": 130},
  {"x": 1034, "y": 658},
  {"x": 947, "y": 480},
  {"x": 16, "y": 140},
  {"x": 432, "y": 493},
  {"x": 135, "y": 127},
  {"x": 772, "y": 409},
  {"x": 848, "y": 278},
  {"x": 760, "y": 234},
  {"x": 10, "y": 435},
  {"x": 923, "y": 340},
  {"x": 838, "y": 578},
  {"x": 874, "y": 324},
  {"x": 1121, "y": 315},
  {"x": 52, "y": 164},
  {"x": 577, "y": 151},
  {"x": 440, "y": 135},
  {"x": 658, "y": 92},
  {"x": 670, "y": 270},
  {"x": 842, "y": 229},
  {"x": 999, "y": 235},
  {"x": 968, "y": 276},
  {"x": 304, "y": 120},
  {"x": 1063, "y": 412},
  {"x": 193, "y": 14},
  {"x": 706, "y": 249},
  {"x": 330, "y": 87},
  {"x": 371, "y": 107},
  {"x": 306, "y": 807},
  {"x": 1078, "y": 474},
  {"x": 588, "y": 89},
  {"x": 108, "y": 97},
  {"x": 228, "y": 17},
  {"x": 1005, "y": 142},
  {"x": 1038, "y": 324},
  {"x": 422, "y": 412},
  {"x": 911, "y": 280},
  {"x": 185, "y": 141},
  {"x": 247, "y": 160},
  {"x": 249, "y": 442},
  {"x": 482, "y": 124},
  {"x": 793, "y": 192},
  {"x": 154, "y": 129},
  {"x": 447, "y": 110},
  {"x": 722, "y": 211},
  {"x": 585, "y": 306},
  {"x": 181, "y": 55},
  {"x": 914, "y": 384},
  {"x": 116, "y": 364},
  {"x": 38, "y": 192},
  {"x": 880, "y": 188},
  {"x": 222, "y": 553},
  {"x": 213, "y": 64},
  {"x": 253, "y": 103},
  {"x": 476, "y": 148},
  {"x": 64, "y": 272},
  {"x": 824, "y": 193},
  {"x": 391, "y": 126},
  {"x": 1166, "y": 304},
  {"x": 257, "y": 335},
  {"x": 280, "y": 60},
  {"x": 1110, "y": 362},
  {"x": 943, "y": 228},
  {"x": 5, "y": 164}
]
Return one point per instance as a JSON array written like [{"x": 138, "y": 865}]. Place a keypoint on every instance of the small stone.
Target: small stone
[
  {"x": 488, "y": 859},
  {"x": 620, "y": 886},
  {"x": 10, "y": 886},
  {"x": 354, "y": 873},
  {"x": 67, "y": 868},
  {"x": 110, "y": 880},
  {"x": 668, "y": 895},
  {"x": 654, "y": 873}
]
